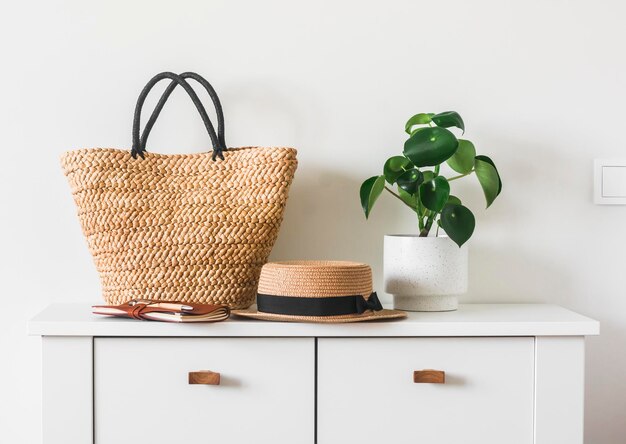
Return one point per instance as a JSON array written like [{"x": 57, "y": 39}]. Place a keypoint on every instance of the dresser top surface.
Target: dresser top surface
[{"x": 468, "y": 320}]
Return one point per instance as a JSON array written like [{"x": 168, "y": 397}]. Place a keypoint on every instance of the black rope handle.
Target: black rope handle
[
  {"x": 166, "y": 94},
  {"x": 138, "y": 146}
]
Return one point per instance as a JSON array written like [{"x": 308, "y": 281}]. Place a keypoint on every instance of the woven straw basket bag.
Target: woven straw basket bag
[{"x": 192, "y": 228}]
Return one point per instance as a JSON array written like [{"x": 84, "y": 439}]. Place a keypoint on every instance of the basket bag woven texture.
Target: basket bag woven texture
[{"x": 192, "y": 228}]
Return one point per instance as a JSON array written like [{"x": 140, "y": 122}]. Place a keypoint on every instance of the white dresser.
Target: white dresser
[{"x": 485, "y": 374}]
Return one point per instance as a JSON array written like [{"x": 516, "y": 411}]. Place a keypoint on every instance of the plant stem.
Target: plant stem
[
  {"x": 460, "y": 176},
  {"x": 420, "y": 220},
  {"x": 437, "y": 167},
  {"x": 398, "y": 197},
  {"x": 429, "y": 223}
]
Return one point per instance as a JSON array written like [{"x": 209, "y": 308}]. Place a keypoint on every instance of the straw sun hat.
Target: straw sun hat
[{"x": 317, "y": 291}]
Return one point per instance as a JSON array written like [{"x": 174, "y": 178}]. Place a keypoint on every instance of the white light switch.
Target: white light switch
[{"x": 610, "y": 182}]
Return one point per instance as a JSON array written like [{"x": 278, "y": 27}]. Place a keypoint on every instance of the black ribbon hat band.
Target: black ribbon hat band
[{"x": 326, "y": 306}]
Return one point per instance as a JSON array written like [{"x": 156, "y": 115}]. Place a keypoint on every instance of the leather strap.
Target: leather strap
[{"x": 136, "y": 309}]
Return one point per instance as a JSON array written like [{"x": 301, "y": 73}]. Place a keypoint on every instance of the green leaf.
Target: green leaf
[
  {"x": 489, "y": 161},
  {"x": 434, "y": 193},
  {"x": 454, "y": 200},
  {"x": 417, "y": 129},
  {"x": 458, "y": 222},
  {"x": 407, "y": 198},
  {"x": 430, "y": 146},
  {"x": 370, "y": 191},
  {"x": 417, "y": 119},
  {"x": 394, "y": 167},
  {"x": 488, "y": 177},
  {"x": 410, "y": 180},
  {"x": 448, "y": 119},
  {"x": 463, "y": 160}
]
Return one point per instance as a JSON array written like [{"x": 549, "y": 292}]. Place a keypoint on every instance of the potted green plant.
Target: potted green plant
[{"x": 422, "y": 272}]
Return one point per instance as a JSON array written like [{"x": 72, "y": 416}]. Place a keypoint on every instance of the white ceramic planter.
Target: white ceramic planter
[{"x": 424, "y": 273}]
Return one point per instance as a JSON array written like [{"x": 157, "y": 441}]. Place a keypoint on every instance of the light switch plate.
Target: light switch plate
[{"x": 609, "y": 181}]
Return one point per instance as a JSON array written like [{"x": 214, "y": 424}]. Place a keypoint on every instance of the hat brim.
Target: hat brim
[{"x": 252, "y": 312}]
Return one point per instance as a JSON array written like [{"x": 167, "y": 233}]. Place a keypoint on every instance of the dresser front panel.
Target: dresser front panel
[
  {"x": 142, "y": 394},
  {"x": 367, "y": 393}
]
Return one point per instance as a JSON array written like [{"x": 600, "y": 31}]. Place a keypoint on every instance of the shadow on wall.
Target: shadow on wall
[
  {"x": 514, "y": 275},
  {"x": 324, "y": 220},
  {"x": 512, "y": 260}
]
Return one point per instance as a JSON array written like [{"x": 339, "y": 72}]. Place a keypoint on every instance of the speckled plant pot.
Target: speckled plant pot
[{"x": 424, "y": 273}]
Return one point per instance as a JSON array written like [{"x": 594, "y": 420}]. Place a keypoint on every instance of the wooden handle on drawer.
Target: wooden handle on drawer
[
  {"x": 429, "y": 377},
  {"x": 205, "y": 377}
]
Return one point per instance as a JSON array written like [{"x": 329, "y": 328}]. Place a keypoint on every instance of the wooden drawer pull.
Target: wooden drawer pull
[
  {"x": 205, "y": 377},
  {"x": 429, "y": 377}
]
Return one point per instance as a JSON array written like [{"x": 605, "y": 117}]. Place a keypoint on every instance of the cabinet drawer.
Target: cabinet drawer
[
  {"x": 142, "y": 390},
  {"x": 367, "y": 393}
]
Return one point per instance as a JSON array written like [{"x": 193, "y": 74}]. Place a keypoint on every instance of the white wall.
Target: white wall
[{"x": 540, "y": 85}]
